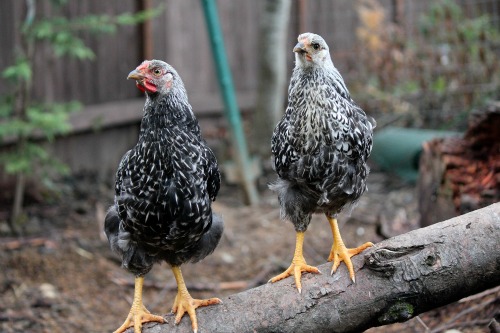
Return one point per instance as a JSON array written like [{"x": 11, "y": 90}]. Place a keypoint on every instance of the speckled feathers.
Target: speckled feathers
[
  {"x": 321, "y": 145},
  {"x": 165, "y": 184}
]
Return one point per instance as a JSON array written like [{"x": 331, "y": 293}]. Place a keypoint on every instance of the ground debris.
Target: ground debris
[{"x": 87, "y": 300}]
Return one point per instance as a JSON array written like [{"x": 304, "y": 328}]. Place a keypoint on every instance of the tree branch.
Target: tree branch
[{"x": 396, "y": 280}]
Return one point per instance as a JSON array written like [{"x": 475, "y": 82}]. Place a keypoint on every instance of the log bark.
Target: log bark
[
  {"x": 435, "y": 196},
  {"x": 461, "y": 174},
  {"x": 396, "y": 280}
]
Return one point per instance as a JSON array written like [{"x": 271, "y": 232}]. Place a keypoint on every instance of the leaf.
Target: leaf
[
  {"x": 20, "y": 71},
  {"x": 68, "y": 45},
  {"x": 131, "y": 19},
  {"x": 6, "y": 109},
  {"x": 52, "y": 119},
  {"x": 16, "y": 128},
  {"x": 30, "y": 158},
  {"x": 23, "y": 160},
  {"x": 43, "y": 29},
  {"x": 439, "y": 85}
]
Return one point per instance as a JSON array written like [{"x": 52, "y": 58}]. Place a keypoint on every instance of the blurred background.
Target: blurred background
[{"x": 427, "y": 71}]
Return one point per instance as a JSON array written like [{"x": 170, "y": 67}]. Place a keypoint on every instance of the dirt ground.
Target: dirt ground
[{"x": 60, "y": 276}]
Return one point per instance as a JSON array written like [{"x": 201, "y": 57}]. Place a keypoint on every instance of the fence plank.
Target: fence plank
[{"x": 180, "y": 38}]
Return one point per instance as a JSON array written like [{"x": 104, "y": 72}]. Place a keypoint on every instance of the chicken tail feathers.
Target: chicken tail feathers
[
  {"x": 134, "y": 258},
  {"x": 208, "y": 242},
  {"x": 111, "y": 228}
]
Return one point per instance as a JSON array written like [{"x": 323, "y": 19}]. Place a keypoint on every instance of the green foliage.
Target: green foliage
[
  {"x": 21, "y": 161},
  {"x": 51, "y": 119},
  {"x": 132, "y": 19},
  {"x": 28, "y": 124},
  {"x": 445, "y": 71},
  {"x": 39, "y": 122},
  {"x": 20, "y": 71},
  {"x": 62, "y": 33},
  {"x": 460, "y": 57}
]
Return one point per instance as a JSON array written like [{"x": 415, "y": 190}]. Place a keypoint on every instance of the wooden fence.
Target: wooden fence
[{"x": 179, "y": 36}]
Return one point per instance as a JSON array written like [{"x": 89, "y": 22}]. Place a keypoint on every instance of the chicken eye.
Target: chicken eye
[
  {"x": 157, "y": 71},
  {"x": 316, "y": 46}
]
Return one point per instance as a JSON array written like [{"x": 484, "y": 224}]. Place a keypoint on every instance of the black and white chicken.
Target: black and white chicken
[
  {"x": 164, "y": 189},
  {"x": 320, "y": 148}
]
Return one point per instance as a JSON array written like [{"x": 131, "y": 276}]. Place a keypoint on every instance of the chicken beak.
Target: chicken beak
[
  {"x": 300, "y": 48},
  {"x": 135, "y": 75}
]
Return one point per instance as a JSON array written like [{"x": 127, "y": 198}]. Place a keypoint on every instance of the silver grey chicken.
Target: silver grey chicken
[{"x": 320, "y": 150}]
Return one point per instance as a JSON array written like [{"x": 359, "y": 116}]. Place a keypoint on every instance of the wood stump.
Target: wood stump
[{"x": 459, "y": 175}]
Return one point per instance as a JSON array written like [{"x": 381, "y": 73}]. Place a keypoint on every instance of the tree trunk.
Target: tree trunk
[
  {"x": 435, "y": 197},
  {"x": 271, "y": 91},
  {"x": 459, "y": 175},
  {"x": 396, "y": 280}
]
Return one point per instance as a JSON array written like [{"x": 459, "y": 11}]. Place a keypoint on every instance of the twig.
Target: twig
[
  {"x": 452, "y": 322},
  {"x": 479, "y": 322},
  {"x": 494, "y": 326},
  {"x": 17, "y": 316},
  {"x": 421, "y": 322},
  {"x": 33, "y": 242}
]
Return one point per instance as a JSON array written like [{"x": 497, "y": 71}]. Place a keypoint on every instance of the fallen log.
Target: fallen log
[{"x": 396, "y": 280}]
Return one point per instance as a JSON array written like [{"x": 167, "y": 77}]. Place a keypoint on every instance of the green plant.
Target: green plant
[
  {"x": 461, "y": 69},
  {"x": 446, "y": 69},
  {"x": 25, "y": 124}
]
